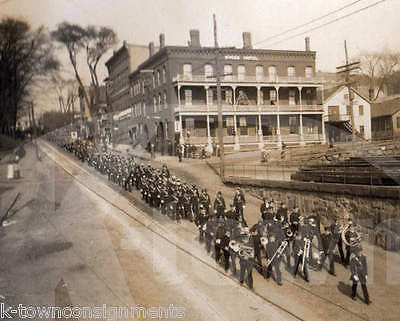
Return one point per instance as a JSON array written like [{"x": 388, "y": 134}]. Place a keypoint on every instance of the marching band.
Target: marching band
[{"x": 279, "y": 235}]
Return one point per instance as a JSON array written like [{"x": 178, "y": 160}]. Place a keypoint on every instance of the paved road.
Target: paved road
[
  {"x": 75, "y": 240},
  {"x": 109, "y": 247}
]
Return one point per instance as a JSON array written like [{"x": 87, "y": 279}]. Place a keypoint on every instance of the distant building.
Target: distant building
[
  {"x": 385, "y": 118},
  {"x": 119, "y": 66},
  {"x": 268, "y": 96},
  {"x": 338, "y": 114}
]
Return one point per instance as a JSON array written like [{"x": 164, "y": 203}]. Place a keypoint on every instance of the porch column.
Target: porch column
[
  {"x": 209, "y": 148},
  {"x": 302, "y": 143},
  {"x": 260, "y": 133},
  {"x": 181, "y": 137},
  {"x": 236, "y": 146},
  {"x": 278, "y": 129},
  {"x": 323, "y": 117}
]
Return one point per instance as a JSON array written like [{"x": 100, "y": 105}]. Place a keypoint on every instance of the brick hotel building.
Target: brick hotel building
[{"x": 268, "y": 96}]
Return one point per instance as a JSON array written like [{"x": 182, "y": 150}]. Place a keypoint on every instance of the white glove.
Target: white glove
[
  {"x": 366, "y": 277},
  {"x": 244, "y": 206},
  {"x": 218, "y": 241},
  {"x": 356, "y": 278}
]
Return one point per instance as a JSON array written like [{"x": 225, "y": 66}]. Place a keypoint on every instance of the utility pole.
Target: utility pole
[
  {"x": 219, "y": 103},
  {"x": 346, "y": 69}
]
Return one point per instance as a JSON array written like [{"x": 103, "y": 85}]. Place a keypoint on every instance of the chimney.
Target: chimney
[
  {"x": 151, "y": 49},
  {"x": 247, "y": 40},
  {"x": 307, "y": 41},
  {"x": 162, "y": 40},
  {"x": 194, "y": 38}
]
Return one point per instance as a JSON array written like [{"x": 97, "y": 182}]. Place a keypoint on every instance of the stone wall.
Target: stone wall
[{"x": 378, "y": 218}]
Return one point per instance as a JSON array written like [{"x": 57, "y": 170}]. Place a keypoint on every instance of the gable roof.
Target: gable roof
[
  {"x": 330, "y": 92},
  {"x": 386, "y": 106}
]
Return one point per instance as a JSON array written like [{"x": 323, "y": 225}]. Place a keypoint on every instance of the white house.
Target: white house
[{"x": 337, "y": 115}]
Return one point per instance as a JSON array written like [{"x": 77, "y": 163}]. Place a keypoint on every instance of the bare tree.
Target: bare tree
[
  {"x": 388, "y": 64},
  {"x": 369, "y": 63},
  {"x": 26, "y": 56},
  {"x": 95, "y": 41},
  {"x": 67, "y": 92},
  {"x": 378, "y": 66},
  {"x": 98, "y": 41},
  {"x": 73, "y": 37}
]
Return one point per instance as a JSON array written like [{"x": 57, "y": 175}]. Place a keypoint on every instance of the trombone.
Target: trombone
[
  {"x": 278, "y": 252},
  {"x": 306, "y": 251}
]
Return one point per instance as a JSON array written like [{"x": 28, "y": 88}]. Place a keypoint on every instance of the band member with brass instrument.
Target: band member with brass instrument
[
  {"x": 219, "y": 205},
  {"x": 301, "y": 250},
  {"x": 239, "y": 201},
  {"x": 282, "y": 212},
  {"x": 359, "y": 273},
  {"x": 265, "y": 210},
  {"x": 200, "y": 221},
  {"x": 256, "y": 232},
  {"x": 311, "y": 230},
  {"x": 234, "y": 248},
  {"x": 350, "y": 238},
  {"x": 336, "y": 240},
  {"x": 294, "y": 219},
  {"x": 246, "y": 258},
  {"x": 210, "y": 232},
  {"x": 222, "y": 243},
  {"x": 278, "y": 230},
  {"x": 205, "y": 200},
  {"x": 274, "y": 254}
]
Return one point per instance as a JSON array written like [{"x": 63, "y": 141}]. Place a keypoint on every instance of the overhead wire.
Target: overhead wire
[
  {"x": 329, "y": 22},
  {"x": 309, "y": 22}
]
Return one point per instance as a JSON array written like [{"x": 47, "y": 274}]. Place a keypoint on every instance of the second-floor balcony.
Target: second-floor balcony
[
  {"x": 336, "y": 118},
  {"x": 226, "y": 108},
  {"x": 233, "y": 79}
]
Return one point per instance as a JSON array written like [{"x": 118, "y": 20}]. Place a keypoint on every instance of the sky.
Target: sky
[{"x": 141, "y": 21}]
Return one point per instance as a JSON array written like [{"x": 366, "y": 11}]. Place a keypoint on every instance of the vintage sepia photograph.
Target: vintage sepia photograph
[{"x": 226, "y": 160}]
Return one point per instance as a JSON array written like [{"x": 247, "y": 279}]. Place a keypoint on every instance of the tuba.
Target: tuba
[{"x": 351, "y": 240}]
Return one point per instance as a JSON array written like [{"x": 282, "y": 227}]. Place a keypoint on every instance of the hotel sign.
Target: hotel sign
[{"x": 237, "y": 57}]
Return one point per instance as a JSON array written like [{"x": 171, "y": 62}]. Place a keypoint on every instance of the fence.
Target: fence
[{"x": 275, "y": 173}]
